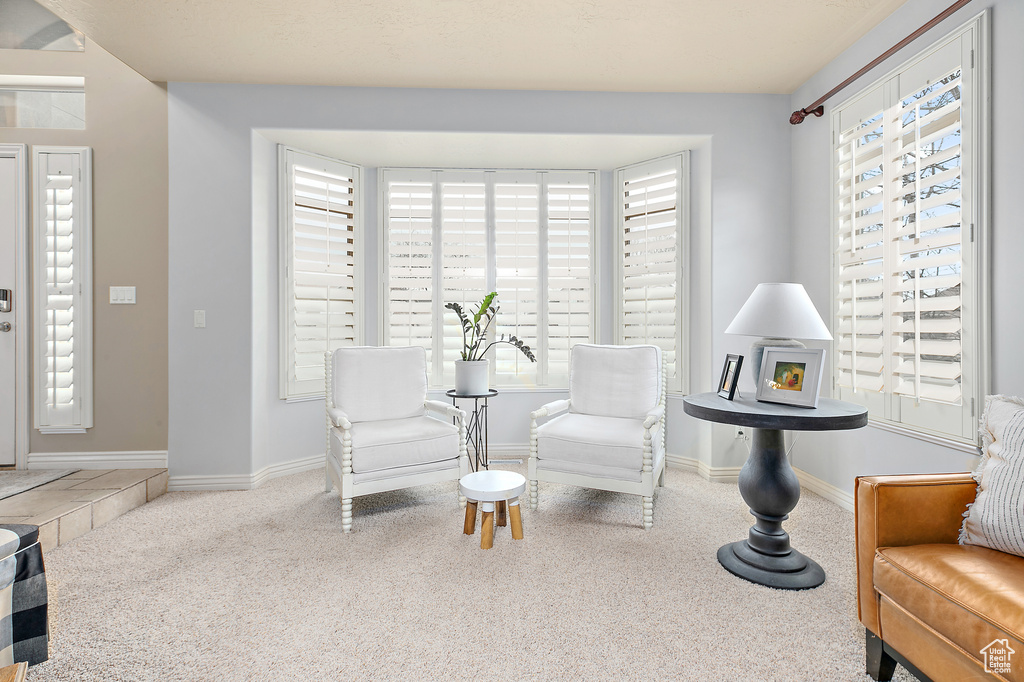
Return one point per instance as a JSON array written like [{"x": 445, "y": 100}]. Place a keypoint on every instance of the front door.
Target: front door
[{"x": 11, "y": 184}]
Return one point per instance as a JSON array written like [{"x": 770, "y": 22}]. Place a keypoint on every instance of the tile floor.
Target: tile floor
[{"x": 75, "y": 504}]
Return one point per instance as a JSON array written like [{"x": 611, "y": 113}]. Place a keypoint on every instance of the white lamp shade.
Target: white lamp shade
[{"x": 779, "y": 310}]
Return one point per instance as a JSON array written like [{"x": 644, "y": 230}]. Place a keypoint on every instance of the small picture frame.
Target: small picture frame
[
  {"x": 730, "y": 376},
  {"x": 791, "y": 376}
]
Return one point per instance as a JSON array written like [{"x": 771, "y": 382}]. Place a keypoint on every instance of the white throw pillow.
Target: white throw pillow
[{"x": 996, "y": 517}]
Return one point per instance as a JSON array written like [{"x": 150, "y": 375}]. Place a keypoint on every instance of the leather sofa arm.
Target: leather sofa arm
[{"x": 899, "y": 511}]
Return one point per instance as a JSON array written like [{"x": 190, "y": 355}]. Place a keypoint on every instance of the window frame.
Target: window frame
[
  {"x": 45, "y": 421},
  {"x": 680, "y": 383},
  {"x": 434, "y": 177},
  {"x": 19, "y": 86},
  {"x": 975, "y": 209},
  {"x": 287, "y": 157}
]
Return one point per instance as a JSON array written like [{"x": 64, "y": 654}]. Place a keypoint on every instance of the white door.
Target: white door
[{"x": 10, "y": 186}]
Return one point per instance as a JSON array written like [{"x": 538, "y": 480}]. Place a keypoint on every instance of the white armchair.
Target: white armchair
[
  {"x": 612, "y": 435},
  {"x": 379, "y": 435}
]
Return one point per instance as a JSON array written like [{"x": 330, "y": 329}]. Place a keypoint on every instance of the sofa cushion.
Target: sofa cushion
[
  {"x": 996, "y": 518},
  {"x": 371, "y": 384},
  {"x": 393, "y": 443},
  {"x": 615, "y": 381},
  {"x": 603, "y": 441},
  {"x": 969, "y": 595}
]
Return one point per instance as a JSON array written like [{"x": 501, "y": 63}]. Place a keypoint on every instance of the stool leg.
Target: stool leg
[
  {"x": 501, "y": 515},
  {"x": 517, "y": 519},
  {"x": 487, "y": 526},
  {"x": 470, "y": 526}
]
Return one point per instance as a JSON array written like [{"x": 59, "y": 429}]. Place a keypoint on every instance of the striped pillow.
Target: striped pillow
[{"x": 996, "y": 518}]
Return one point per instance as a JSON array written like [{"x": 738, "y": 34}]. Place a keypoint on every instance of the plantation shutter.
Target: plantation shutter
[
  {"x": 650, "y": 258},
  {"x": 906, "y": 279},
  {"x": 455, "y": 235},
  {"x": 927, "y": 244},
  {"x": 569, "y": 258},
  {"x": 859, "y": 337},
  {"x": 517, "y": 227},
  {"x": 63, "y": 290},
  {"x": 464, "y": 258},
  {"x": 321, "y": 280},
  {"x": 409, "y": 318}
]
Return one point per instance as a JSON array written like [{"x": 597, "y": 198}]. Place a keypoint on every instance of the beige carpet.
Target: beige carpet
[
  {"x": 263, "y": 585},
  {"x": 14, "y": 482}
]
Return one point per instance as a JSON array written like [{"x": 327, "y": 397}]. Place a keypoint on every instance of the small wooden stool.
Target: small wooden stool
[{"x": 497, "y": 491}]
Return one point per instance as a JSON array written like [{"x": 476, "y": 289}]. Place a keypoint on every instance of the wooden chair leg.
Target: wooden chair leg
[
  {"x": 517, "y": 519},
  {"x": 469, "y": 527},
  {"x": 487, "y": 525},
  {"x": 501, "y": 515}
]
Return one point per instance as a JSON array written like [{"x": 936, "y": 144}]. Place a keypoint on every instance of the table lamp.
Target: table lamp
[{"x": 780, "y": 313}]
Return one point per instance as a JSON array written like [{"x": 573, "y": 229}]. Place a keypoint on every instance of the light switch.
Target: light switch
[
  {"x": 122, "y": 295},
  {"x": 199, "y": 318}
]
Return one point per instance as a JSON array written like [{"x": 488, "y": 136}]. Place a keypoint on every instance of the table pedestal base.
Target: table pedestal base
[
  {"x": 793, "y": 571},
  {"x": 768, "y": 484}
]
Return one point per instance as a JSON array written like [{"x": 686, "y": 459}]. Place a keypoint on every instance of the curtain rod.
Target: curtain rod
[{"x": 818, "y": 109}]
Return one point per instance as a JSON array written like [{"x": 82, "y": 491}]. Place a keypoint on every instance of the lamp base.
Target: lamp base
[{"x": 757, "y": 353}]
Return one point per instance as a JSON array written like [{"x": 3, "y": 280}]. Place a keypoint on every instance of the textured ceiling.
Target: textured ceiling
[{"x": 749, "y": 46}]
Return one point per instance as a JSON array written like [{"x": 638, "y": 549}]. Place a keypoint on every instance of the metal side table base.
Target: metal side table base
[{"x": 476, "y": 428}]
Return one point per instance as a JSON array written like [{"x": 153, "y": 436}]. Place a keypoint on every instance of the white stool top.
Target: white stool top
[{"x": 492, "y": 486}]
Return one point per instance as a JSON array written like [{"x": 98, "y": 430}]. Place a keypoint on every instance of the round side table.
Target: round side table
[
  {"x": 497, "y": 491},
  {"x": 768, "y": 484}
]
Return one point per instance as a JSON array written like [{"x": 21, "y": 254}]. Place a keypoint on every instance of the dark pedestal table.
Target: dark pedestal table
[{"x": 768, "y": 484}]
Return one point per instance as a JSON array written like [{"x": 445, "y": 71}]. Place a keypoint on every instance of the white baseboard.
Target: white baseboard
[
  {"x": 244, "y": 481},
  {"x": 229, "y": 482},
  {"x": 497, "y": 451},
  {"x": 142, "y": 459},
  {"x": 287, "y": 468},
  {"x": 825, "y": 489},
  {"x": 715, "y": 474},
  {"x": 507, "y": 451}
]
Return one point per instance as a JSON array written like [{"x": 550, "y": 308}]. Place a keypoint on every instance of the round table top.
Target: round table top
[
  {"x": 829, "y": 415},
  {"x": 452, "y": 394},
  {"x": 492, "y": 486}
]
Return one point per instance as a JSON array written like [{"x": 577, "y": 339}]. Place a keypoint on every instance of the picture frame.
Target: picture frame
[
  {"x": 730, "y": 376},
  {"x": 791, "y": 376}
]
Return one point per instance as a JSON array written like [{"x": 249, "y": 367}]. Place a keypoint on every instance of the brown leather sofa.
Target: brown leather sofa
[{"x": 926, "y": 602}]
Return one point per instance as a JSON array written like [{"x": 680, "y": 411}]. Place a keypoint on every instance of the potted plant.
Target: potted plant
[{"x": 471, "y": 372}]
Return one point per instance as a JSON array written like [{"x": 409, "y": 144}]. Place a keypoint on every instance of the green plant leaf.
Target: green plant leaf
[{"x": 485, "y": 306}]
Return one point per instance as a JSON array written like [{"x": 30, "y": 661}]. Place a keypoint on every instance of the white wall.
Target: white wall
[
  {"x": 837, "y": 458},
  {"x": 225, "y": 418}
]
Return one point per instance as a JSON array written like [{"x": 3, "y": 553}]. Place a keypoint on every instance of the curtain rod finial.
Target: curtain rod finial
[{"x": 799, "y": 115}]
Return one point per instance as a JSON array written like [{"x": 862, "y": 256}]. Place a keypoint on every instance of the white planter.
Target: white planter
[{"x": 471, "y": 377}]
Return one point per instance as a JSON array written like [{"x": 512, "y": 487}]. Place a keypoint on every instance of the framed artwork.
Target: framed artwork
[
  {"x": 730, "y": 376},
  {"x": 791, "y": 376}
]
